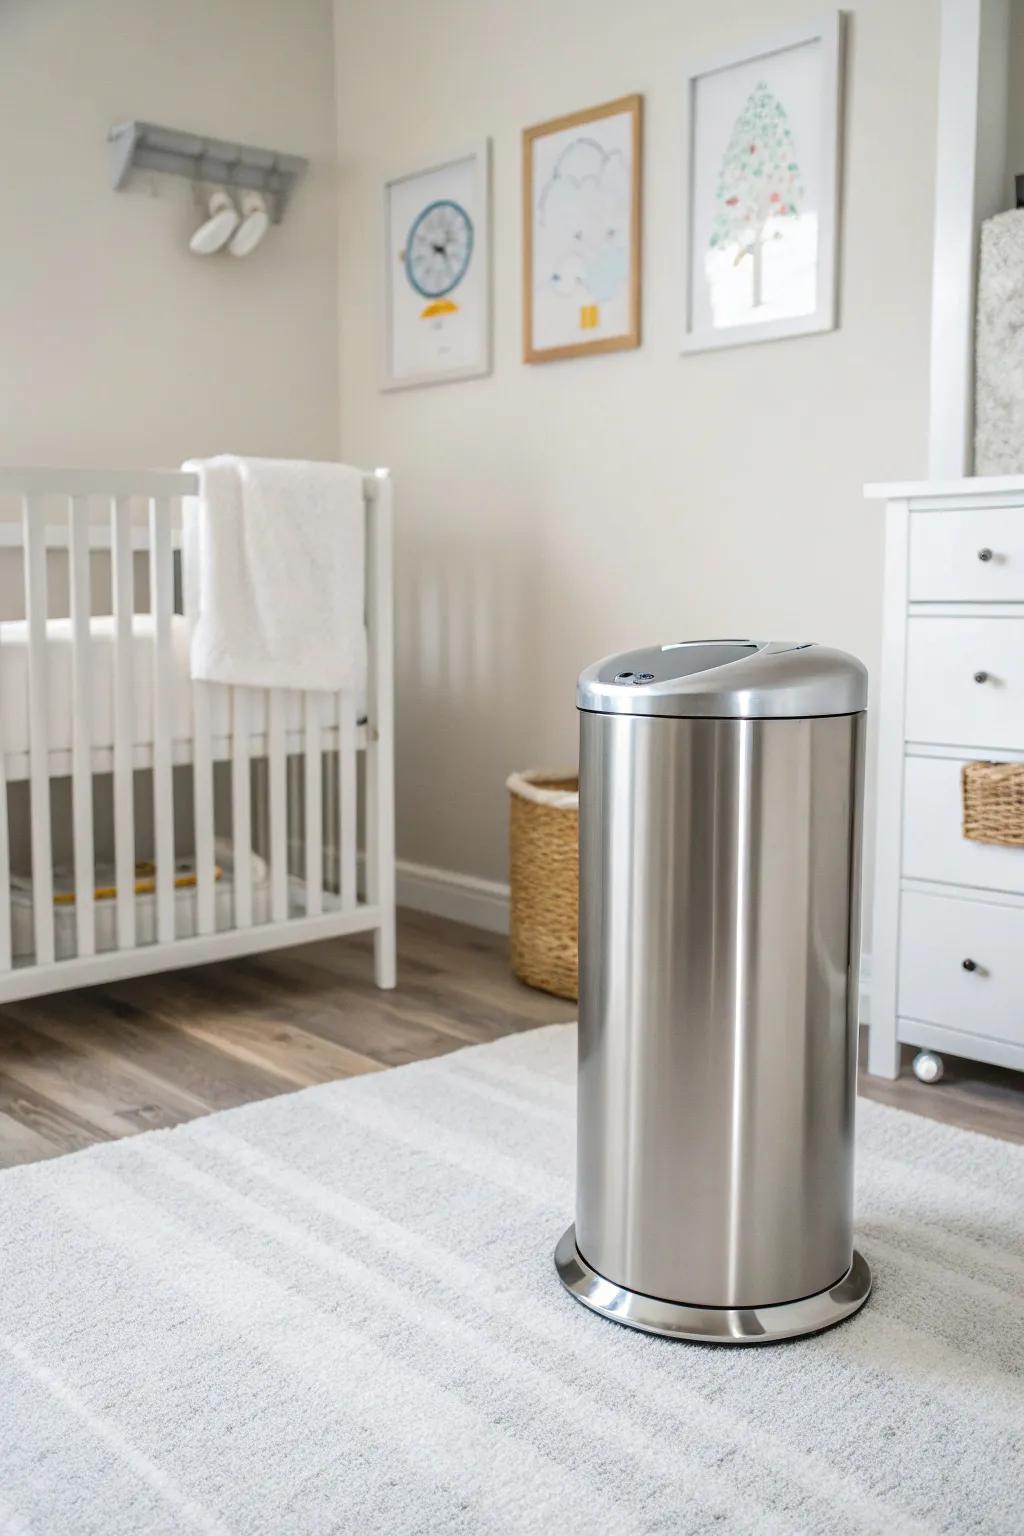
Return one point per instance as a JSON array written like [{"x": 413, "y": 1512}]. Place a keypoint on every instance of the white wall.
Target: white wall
[
  {"x": 118, "y": 346},
  {"x": 551, "y": 514}
]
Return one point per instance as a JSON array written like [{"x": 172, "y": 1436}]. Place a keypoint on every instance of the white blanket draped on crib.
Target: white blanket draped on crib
[{"x": 274, "y": 562}]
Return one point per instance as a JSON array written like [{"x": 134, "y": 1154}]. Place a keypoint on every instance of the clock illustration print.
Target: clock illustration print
[{"x": 437, "y": 255}]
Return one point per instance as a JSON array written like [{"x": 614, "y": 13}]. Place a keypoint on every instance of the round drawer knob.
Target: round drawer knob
[
  {"x": 985, "y": 554},
  {"x": 981, "y": 677},
  {"x": 970, "y": 965}
]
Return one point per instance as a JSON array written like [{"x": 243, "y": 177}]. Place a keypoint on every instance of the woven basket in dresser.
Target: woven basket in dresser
[{"x": 993, "y": 803}]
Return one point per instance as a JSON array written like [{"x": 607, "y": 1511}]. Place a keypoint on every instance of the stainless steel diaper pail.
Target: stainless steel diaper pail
[{"x": 720, "y": 829}]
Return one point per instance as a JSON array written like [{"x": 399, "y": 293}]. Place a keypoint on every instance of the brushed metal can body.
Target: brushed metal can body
[{"x": 719, "y": 944}]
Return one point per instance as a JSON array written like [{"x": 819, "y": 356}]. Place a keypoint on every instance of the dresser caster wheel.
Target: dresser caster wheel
[{"x": 928, "y": 1067}]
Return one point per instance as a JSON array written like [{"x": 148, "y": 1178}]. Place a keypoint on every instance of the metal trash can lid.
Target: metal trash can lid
[{"x": 727, "y": 679}]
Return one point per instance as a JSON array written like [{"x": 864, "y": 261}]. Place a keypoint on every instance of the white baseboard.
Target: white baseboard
[
  {"x": 463, "y": 898},
  {"x": 441, "y": 892}
]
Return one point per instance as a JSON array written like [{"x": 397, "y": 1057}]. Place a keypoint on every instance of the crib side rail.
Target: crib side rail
[{"x": 97, "y": 482}]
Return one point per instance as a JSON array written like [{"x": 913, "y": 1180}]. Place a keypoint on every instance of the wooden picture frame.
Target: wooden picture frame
[
  {"x": 768, "y": 75},
  {"x": 589, "y": 242}
]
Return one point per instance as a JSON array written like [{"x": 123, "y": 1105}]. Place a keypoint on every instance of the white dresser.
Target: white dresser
[{"x": 947, "y": 954}]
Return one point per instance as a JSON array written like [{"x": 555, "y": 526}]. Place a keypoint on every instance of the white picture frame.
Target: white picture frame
[
  {"x": 436, "y": 323},
  {"x": 790, "y": 86}
]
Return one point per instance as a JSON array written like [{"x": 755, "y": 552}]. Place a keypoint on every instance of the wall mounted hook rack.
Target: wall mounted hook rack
[{"x": 147, "y": 146}]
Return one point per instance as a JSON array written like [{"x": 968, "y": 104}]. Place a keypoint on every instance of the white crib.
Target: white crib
[{"x": 88, "y": 695}]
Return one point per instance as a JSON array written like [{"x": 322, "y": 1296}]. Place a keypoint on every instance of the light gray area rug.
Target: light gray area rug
[{"x": 337, "y": 1312}]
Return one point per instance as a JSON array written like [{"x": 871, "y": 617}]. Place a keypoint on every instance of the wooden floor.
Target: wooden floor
[
  {"x": 89, "y": 1066},
  {"x": 979, "y": 1098},
  {"x": 93, "y": 1065}
]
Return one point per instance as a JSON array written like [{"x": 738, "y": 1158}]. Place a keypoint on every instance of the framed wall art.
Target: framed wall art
[
  {"x": 581, "y": 233},
  {"x": 437, "y": 289},
  {"x": 761, "y": 176}
]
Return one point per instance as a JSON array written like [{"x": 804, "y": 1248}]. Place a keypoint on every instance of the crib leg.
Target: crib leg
[
  {"x": 385, "y": 965},
  {"x": 380, "y": 858}
]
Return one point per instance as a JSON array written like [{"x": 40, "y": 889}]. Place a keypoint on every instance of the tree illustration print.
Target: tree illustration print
[{"x": 758, "y": 182}]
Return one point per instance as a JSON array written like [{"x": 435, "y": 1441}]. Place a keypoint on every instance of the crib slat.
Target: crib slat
[
  {"x": 202, "y": 789},
  {"x": 38, "y": 703},
  {"x": 81, "y": 748},
  {"x": 294, "y": 764},
  {"x": 347, "y": 799},
  {"x": 5, "y": 868},
  {"x": 314, "y": 836},
  {"x": 332, "y": 817},
  {"x": 241, "y": 807},
  {"x": 259, "y": 780},
  {"x": 5, "y": 875},
  {"x": 161, "y": 596},
  {"x": 123, "y": 585},
  {"x": 278, "y": 807},
  {"x": 202, "y": 805}
]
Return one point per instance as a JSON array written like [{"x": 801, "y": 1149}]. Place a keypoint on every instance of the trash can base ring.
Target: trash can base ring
[{"x": 711, "y": 1325}]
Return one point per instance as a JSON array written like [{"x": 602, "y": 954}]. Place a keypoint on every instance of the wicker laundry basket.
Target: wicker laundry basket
[
  {"x": 544, "y": 848},
  {"x": 993, "y": 803}
]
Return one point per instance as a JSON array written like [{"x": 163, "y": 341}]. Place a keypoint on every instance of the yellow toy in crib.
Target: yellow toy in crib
[{"x": 145, "y": 881}]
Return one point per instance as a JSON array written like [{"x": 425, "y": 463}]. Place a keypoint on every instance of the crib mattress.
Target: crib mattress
[
  {"x": 14, "y": 687},
  {"x": 105, "y": 912}
]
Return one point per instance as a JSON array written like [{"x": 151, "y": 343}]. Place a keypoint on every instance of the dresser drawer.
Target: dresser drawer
[
  {"x": 945, "y": 551},
  {"x": 944, "y": 702},
  {"x": 937, "y": 934},
  {"x": 934, "y": 847}
]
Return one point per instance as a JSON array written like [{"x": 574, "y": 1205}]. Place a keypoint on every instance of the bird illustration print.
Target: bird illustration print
[{"x": 582, "y": 218}]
